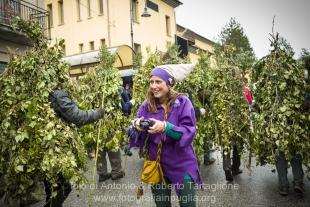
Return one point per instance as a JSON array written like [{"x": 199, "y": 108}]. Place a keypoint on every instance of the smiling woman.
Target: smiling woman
[
  {"x": 159, "y": 88},
  {"x": 170, "y": 135}
]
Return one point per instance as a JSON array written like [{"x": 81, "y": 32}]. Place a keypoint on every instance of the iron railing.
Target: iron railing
[{"x": 25, "y": 10}]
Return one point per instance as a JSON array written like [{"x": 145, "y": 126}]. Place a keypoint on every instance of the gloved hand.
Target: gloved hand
[
  {"x": 101, "y": 111},
  {"x": 132, "y": 102}
]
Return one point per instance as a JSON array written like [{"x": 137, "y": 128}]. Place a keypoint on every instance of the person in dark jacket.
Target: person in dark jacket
[
  {"x": 128, "y": 90},
  {"x": 67, "y": 110},
  {"x": 126, "y": 101},
  {"x": 127, "y": 104}
]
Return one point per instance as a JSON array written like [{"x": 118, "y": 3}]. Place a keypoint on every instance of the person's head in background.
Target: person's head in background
[{"x": 127, "y": 86}]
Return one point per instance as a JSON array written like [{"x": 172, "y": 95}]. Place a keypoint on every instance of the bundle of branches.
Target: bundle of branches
[
  {"x": 228, "y": 119},
  {"x": 100, "y": 87},
  {"x": 34, "y": 143},
  {"x": 282, "y": 124}
]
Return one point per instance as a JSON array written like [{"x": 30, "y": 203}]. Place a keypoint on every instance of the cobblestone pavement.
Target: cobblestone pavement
[{"x": 259, "y": 189}]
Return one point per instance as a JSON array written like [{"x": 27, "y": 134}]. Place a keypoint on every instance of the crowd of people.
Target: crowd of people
[{"x": 173, "y": 117}]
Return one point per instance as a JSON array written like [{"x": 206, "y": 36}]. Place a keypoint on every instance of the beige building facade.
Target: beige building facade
[{"x": 86, "y": 25}]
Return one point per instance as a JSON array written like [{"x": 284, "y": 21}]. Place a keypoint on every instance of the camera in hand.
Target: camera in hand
[{"x": 145, "y": 124}]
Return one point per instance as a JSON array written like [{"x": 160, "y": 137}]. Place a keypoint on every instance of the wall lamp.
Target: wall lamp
[{"x": 145, "y": 13}]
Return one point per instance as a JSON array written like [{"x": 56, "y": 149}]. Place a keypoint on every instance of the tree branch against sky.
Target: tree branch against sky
[{"x": 233, "y": 34}]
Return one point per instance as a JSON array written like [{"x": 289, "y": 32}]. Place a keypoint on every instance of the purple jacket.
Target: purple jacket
[{"x": 178, "y": 157}]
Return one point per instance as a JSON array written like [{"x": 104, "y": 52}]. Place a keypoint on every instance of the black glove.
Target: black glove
[{"x": 101, "y": 111}]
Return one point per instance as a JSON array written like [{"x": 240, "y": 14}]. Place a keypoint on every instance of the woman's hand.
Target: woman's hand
[
  {"x": 137, "y": 123},
  {"x": 158, "y": 126}
]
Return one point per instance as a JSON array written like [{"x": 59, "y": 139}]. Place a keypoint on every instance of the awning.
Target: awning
[{"x": 82, "y": 62}]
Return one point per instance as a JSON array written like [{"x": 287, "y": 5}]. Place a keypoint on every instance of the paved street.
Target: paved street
[{"x": 260, "y": 189}]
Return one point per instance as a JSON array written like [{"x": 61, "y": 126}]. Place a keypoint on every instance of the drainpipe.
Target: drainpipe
[
  {"x": 131, "y": 31},
  {"x": 175, "y": 23},
  {"x": 109, "y": 39}
]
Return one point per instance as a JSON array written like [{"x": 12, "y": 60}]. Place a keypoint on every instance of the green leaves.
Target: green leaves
[
  {"x": 19, "y": 168},
  {"x": 282, "y": 86},
  {"x": 281, "y": 89},
  {"x": 32, "y": 139},
  {"x": 101, "y": 88},
  {"x": 228, "y": 105},
  {"x": 283, "y": 108}
]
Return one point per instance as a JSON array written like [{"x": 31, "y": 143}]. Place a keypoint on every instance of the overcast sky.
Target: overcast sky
[{"x": 292, "y": 20}]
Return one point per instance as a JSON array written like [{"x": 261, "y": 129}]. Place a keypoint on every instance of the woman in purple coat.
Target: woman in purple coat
[{"x": 178, "y": 159}]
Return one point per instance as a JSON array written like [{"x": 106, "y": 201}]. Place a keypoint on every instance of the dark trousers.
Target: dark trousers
[
  {"x": 2, "y": 185},
  {"x": 63, "y": 190},
  {"x": 236, "y": 160},
  {"x": 206, "y": 149},
  {"x": 162, "y": 194},
  {"x": 282, "y": 164},
  {"x": 115, "y": 161}
]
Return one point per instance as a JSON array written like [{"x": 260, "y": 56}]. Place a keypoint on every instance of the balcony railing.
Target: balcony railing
[{"x": 25, "y": 10}]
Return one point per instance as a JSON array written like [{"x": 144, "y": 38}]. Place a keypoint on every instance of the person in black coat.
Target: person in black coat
[
  {"x": 67, "y": 110},
  {"x": 127, "y": 102}
]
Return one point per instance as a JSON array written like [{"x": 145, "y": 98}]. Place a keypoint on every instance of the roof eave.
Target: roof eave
[{"x": 173, "y": 3}]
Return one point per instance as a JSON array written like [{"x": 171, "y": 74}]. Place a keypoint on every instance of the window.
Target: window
[
  {"x": 137, "y": 47},
  {"x": 81, "y": 48},
  {"x": 152, "y": 5},
  {"x": 182, "y": 44},
  {"x": 61, "y": 12},
  {"x": 2, "y": 67},
  {"x": 89, "y": 6},
  {"x": 102, "y": 42},
  {"x": 135, "y": 10},
  {"x": 91, "y": 45},
  {"x": 78, "y": 7},
  {"x": 101, "y": 11},
  {"x": 168, "y": 26},
  {"x": 50, "y": 11}
]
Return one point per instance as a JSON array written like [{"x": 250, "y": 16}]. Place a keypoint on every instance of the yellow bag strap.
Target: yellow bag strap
[{"x": 160, "y": 144}]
